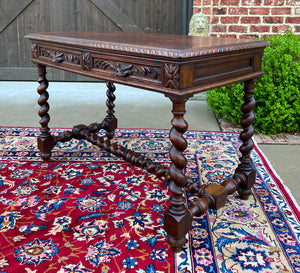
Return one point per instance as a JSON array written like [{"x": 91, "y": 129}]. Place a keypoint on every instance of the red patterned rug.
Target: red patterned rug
[{"x": 87, "y": 211}]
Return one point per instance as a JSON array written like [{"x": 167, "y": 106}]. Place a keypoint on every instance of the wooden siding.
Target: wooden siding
[{"x": 18, "y": 18}]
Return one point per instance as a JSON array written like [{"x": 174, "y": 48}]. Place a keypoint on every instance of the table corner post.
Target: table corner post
[
  {"x": 45, "y": 140},
  {"x": 178, "y": 218},
  {"x": 110, "y": 120},
  {"x": 245, "y": 173}
]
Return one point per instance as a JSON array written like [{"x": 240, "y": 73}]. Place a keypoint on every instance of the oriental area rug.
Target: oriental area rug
[{"x": 88, "y": 211}]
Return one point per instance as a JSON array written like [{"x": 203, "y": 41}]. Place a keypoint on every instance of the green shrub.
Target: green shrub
[{"x": 277, "y": 92}]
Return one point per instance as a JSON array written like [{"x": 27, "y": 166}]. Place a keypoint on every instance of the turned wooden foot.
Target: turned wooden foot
[
  {"x": 178, "y": 219},
  {"x": 45, "y": 139},
  {"x": 177, "y": 223},
  {"x": 45, "y": 145}
]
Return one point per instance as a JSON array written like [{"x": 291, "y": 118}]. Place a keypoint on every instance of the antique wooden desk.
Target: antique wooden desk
[{"x": 177, "y": 66}]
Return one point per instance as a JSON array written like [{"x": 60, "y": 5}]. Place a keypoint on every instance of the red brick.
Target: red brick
[
  {"x": 237, "y": 28},
  {"x": 237, "y": 11},
  {"x": 206, "y": 2},
  {"x": 258, "y": 139},
  {"x": 260, "y": 11},
  {"x": 274, "y": 3},
  {"x": 219, "y": 28},
  {"x": 230, "y": 2},
  {"x": 206, "y": 10},
  {"x": 219, "y": 11},
  {"x": 273, "y": 20},
  {"x": 297, "y": 11},
  {"x": 285, "y": 11},
  {"x": 260, "y": 28},
  {"x": 252, "y": 3},
  {"x": 230, "y": 19},
  {"x": 250, "y": 36},
  {"x": 280, "y": 139},
  {"x": 215, "y": 20},
  {"x": 197, "y": 2},
  {"x": 292, "y": 2},
  {"x": 292, "y": 20},
  {"x": 250, "y": 20},
  {"x": 297, "y": 28},
  {"x": 280, "y": 29},
  {"x": 208, "y": 18},
  {"x": 267, "y": 139},
  {"x": 196, "y": 10}
]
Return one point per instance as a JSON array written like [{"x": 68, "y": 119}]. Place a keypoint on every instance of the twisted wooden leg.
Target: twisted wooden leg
[
  {"x": 45, "y": 139},
  {"x": 244, "y": 175},
  {"x": 245, "y": 171},
  {"x": 178, "y": 219},
  {"x": 110, "y": 118}
]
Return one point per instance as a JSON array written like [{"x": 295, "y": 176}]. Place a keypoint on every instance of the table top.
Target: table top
[
  {"x": 171, "y": 64},
  {"x": 163, "y": 45}
]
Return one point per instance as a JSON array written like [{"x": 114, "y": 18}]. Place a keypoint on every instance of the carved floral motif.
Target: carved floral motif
[
  {"x": 35, "y": 51},
  {"x": 123, "y": 69},
  {"x": 172, "y": 76},
  {"x": 86, "y": 61},
  {"x": 146, "y": 71},
  {"x": 58, "y": 56}
]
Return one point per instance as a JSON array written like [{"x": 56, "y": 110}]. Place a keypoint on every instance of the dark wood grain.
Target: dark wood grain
[
  {"x": 167, "y": 45},
  {"x": 162, "y": 63}
]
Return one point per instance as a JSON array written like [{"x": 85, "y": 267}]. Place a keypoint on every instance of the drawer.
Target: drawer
[
  {"x": 126, "y": 68},
  {"x": 57, "y": 56}
]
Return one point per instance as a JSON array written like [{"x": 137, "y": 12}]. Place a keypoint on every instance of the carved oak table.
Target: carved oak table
[{"x": 177, "y": 66}]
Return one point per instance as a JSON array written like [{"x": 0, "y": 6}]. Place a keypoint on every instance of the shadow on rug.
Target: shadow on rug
[{"x": 87, "y": 211}]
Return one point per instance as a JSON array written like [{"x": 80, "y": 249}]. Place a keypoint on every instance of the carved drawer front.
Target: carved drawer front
[
  {"x": 123, "y": 69},
  {"x": 57, "y": 56}
]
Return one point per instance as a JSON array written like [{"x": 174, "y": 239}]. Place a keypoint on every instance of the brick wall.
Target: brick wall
[{"x": 250, "y": 18}]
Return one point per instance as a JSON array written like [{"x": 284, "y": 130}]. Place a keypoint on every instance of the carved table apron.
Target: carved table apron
[{"x": 177, "y": 66}]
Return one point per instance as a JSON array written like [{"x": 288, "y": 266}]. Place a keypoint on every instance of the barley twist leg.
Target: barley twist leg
[
  {"x": 245, "y": 172},
  {"x": 110, "y": 118},
  {"x": 45, "y": 139},
  {"x": 177, "y": 220}
]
